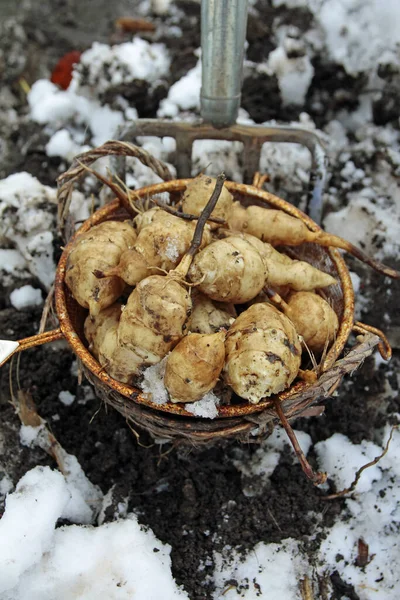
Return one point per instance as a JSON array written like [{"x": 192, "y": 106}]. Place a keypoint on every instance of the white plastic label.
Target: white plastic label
[{"x": 7, "y": 347}]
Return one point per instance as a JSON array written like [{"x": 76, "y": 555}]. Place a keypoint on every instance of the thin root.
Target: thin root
[
  {"x": 316, "y": 477},
  {"x": 360, "y": 471}
]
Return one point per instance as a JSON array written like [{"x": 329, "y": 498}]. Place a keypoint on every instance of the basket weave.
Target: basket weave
[{"x": 240, "y": 419}]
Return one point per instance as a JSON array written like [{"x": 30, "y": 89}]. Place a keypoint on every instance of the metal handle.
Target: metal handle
[
  {"x": 223, "y": 35},
  {"x": 9, "y": 348}
]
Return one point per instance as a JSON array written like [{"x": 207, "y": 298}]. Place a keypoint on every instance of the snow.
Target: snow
[
  {"x": 153, "y": 382},
  {"x": 62, "y": 144},
  {"x": 334, "y": 455},
  {"x": 183, "y": 95},
  {"x": 269, "y": 571},
  {"x": 358, "y": 31},
  {"x": 27, "y": 219},
  {"x": 257, "y": 470},
  {"x": 26, "y": 297},
  {"x": 7, "y": 347},
  {"x": 110, "y": 66},
  {"x": 373, "y": 515},
  {"x": 116, "y": 561},
  {"x": 66, "y": 397},
  {"x": 206, "y": 407},
  {"x": 294, "y": 75}
]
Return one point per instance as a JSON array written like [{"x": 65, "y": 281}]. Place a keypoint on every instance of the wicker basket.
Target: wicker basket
[{"x": 240, "y": 419}]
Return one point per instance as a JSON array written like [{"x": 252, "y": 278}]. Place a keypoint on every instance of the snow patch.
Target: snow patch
[
  {"x": 119, "y": 560},
  {"x": 206, "y": 407},
  {"x": 66, "y": 397},
  {"x": 153, "y": 382},
  {"x": 26, "y": 297},
  {"x": 268, "y": 571}
]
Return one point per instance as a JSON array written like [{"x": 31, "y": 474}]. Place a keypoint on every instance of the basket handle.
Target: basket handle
[
  {"x": 385, "y": 349},
  {"x": 8, "y": 347},
  {"x": 67, "y": 180}
]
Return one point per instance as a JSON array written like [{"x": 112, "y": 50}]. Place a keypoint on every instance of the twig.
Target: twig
[
  {"x": 316, "y": 477},
  {"x": 203, "y": 218},
  {"x": 360, "y": 471},
  {"x": 183, "y": 215}
]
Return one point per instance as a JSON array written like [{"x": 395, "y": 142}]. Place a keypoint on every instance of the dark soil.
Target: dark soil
[{"x": 192, "y": 498}]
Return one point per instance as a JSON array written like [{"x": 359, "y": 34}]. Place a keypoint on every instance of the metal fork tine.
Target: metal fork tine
[{"x": 252, "y": 137}]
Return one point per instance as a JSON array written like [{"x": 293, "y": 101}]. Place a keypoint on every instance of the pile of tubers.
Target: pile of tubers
[{"x": 217, "y": 301}]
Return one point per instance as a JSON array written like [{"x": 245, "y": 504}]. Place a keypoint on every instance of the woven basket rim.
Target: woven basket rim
[{"x": 135, "y": 395}]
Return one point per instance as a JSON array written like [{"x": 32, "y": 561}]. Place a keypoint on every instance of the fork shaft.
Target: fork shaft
[{"x": 223, "y": 35}]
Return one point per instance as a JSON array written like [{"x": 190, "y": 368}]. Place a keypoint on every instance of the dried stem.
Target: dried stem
[
  {"x": 183, "y": 267},
  {"x": 183, "y": 215},
  {"x": 316, "y": 477},
  {"x": 205, "y": 215},
  {"x": 360, "y": 471}
]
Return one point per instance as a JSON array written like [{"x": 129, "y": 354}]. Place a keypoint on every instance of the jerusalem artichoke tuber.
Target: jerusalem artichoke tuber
[
  {"x": 196, "y": 196},
  {"x": 208, "y": 316},
  {"x": 161, "y": 243},
  {"x": 99, "y": 248},
  {"x": 263, "y": 353},
  {"x": 277, "y": 227},
  {"x": 194, "y": 365}
]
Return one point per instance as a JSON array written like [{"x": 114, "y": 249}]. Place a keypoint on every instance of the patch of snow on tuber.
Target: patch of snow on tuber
[
  {"x": 26, "y": 297},
  {"x": 171, "y": 250},
  {"x": 206, "y": 407},
  {"x": 153, "y": 382}
]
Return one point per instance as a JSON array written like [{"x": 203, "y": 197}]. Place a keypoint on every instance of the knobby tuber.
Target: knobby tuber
[
  {"x": 229, "y": 270},
  {"x": 99, "y": 248},
  {"x": 194, "y": 366},
  {"x": 235, "y": 269},
  {"x": 162, "y": 241},
  {"x": 196, "y": 196},
  {"x": 277, "y": 228},
  {"x": 263, "y": 353},
  {"x": 155, "y": 316},
  {"x": 101, "y": 332},
  {"x": 208, "y": 316},
  {"x": 313, "y": 317}
]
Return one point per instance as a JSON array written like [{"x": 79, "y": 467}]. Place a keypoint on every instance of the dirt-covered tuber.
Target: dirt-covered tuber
[
  {"x": 194, "y": 366},
  {"x": 209, "y": 316},
  {"x": 263, "y": 353},
  {"x": 277, "y": 228},
  {"x": 98, "y": 249},
  {"x": 314, "y": 319},
  {"x": 196, "y": 196},
  {"x": 162, "y": 241},
  {"x": 229, "y": 270},
  {"x": 101, "y": 332}
]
